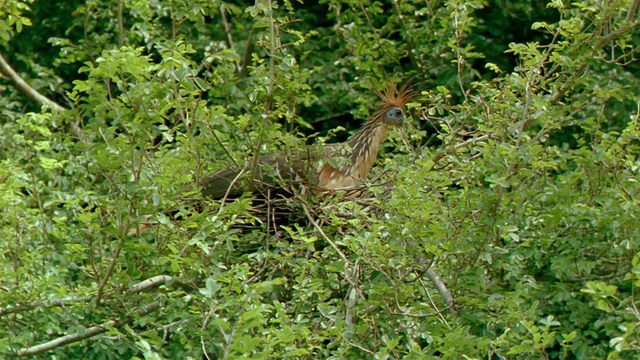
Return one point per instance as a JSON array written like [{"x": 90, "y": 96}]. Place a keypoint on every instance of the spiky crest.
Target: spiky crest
[{"x": 391, "y": 97}]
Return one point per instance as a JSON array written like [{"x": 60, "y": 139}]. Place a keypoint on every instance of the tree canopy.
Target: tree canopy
[{"x": 500, "y": 222}]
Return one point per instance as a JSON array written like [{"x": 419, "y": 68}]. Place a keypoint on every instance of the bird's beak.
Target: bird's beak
[{"x": 399, "y": 121}]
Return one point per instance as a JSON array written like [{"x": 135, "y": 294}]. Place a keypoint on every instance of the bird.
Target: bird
[{"x": 326, "y": 170}]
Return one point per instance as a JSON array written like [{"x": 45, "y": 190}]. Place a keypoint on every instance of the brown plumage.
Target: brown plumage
[
  {"x": 353, "y": 160},
  {"x": 324, "y": 169}
]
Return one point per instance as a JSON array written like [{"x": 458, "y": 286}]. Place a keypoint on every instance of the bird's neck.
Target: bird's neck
[{"x": 364, "y": 147}]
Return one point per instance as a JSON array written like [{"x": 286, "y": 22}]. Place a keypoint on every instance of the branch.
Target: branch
[
  {"x": 248, "y": 52},
  {"x": 24, "y": 88},
  {"x": 112, "y": 265},
  {"x": 623, "y": 29},
  {"x": 227, "y": 27},
  {"x": 137, "y": 288},
  {"x": 442, "y": 288},
  {"x": 439, "y": 284},
  {"x": 633, "y": 8},
  {"x": 34, "y": 96},
  {"x": 615, "y": 34},
  {"x": 325, "y": 237},
  {"x": 449, "y": 150},
  {"x": 87, "y": 333},
  {"x": 150, "y": 283},
  {"x": 50, "y": 303},
  {"x": 347, "y": 263}
]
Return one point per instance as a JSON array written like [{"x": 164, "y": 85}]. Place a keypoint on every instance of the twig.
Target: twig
[
  {"x": 226, "y": 194},
  {"x": 437, "y": 157},
  {"x": 324, "y": 236},
  {"x": 144, "y": 285},
  {"x": 376, "y": 36},
  {"x": 205, "y": 323},
  {"x": 329, "y": 118},
  {"x": 347, "y": 263}
]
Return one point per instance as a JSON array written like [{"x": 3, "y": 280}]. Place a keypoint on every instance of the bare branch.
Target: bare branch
[
  {"x": 248, "y": 52},
  {"x": 442, "y": 288},
  {"x": 13, "y": 309},
  {"x": 34, "y": 96},
  {"x": 87, "y": 333},
  {"x": 137, "y": 288},
  {"x": 106, "y": 277},
  {"x": 633, "y": 8},
  {"x": 24, "y": 88},
  {"x": 150, "y": 283},
  {"x": 227, "y": 27},
  {"x": 439, "y": 284},
  {"x": 347, "y": 263},
  {"x": 324, "y": 236}
]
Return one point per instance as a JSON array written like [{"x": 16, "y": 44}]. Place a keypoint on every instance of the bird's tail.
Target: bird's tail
[{"x": 216, "y": 185}]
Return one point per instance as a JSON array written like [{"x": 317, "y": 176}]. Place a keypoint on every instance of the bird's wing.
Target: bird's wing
[{"x": 273, "y": 171}]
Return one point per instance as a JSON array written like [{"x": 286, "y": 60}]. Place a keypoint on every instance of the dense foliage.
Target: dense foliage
[{"x": 513, "y": 188}]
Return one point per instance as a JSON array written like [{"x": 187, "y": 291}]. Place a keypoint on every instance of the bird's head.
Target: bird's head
[
  {"x": 395, "y": 115},
  {"x": 392, "y": 109}
]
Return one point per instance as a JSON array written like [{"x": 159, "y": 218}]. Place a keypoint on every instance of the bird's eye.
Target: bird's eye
[{"x": 395, "y": 114}]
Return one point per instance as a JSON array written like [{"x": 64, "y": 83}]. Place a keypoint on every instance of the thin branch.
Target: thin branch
[
  {"x": 226, "y": 194},
  {"x": 120, "y": 23},
  {"x": 227, "y": 27},
  {"x": 376, "y": 36},
  {"x": 106, "y": 277},
  {"x": 248, "y": 51},
  {"x": 87, "y": 333},
  {"x": 14, "y": 309},
  {"x": 205, "y": 323},
  {"x": 615, "y": 34},
  {"x": 598, "y": 46},
  {"x": 439, "y": 284},
  {"x": 360, "y": 347},
  {"x": 569, "y": 83},
  {"x": 324, "y": 236},
  {"x": 144, "y": 285},
  {"x": 352, "y": 299},
  {"x": 448, "y": 150},
  {"x": 347, "y": 263},
  {"x": 329, "y": 118}
]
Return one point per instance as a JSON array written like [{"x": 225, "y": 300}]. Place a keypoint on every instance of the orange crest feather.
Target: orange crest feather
[{"x": 391, "y": 97}]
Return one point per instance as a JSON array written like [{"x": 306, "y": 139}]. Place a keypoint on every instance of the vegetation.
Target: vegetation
[{"x": 501, "y": 222}]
